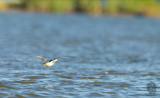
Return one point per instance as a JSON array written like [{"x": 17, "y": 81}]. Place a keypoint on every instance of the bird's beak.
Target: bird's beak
[{"x": 44, "y": 64}]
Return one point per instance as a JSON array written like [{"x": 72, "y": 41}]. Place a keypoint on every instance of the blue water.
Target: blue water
[{"x": 114, "y": 56}]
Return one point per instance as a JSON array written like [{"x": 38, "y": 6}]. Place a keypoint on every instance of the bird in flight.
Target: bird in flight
[{"x": 47, "y": 62}]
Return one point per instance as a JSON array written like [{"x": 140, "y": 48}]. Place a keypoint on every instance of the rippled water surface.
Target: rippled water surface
[{"x": 114, "y": 56}]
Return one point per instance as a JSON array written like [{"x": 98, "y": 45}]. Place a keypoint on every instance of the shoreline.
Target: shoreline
[{"x": 90, "y": 14}]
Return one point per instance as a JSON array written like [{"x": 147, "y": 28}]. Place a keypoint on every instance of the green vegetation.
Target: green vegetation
[{"x": 143, "y": 7}]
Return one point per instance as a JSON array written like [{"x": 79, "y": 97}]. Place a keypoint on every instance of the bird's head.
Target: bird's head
[{"x": 55, "y": 60}]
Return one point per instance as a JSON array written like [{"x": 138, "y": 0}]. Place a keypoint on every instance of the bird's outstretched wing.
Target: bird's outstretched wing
[
  {"x": 38, "y": 57},
  {"x": 63, "y": 57}
]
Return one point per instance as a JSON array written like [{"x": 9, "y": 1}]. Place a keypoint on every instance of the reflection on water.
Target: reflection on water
[{"x": 115, "y": 56}]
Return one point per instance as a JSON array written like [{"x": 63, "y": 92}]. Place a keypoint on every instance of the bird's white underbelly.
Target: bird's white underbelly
[{"x": 50, "y": 63}]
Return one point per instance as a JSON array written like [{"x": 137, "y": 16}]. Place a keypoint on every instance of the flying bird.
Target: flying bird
[{"x": 47, "y": 62}]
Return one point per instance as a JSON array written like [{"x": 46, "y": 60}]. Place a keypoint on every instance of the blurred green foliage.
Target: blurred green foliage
[{"x": 144, "y": 7}]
